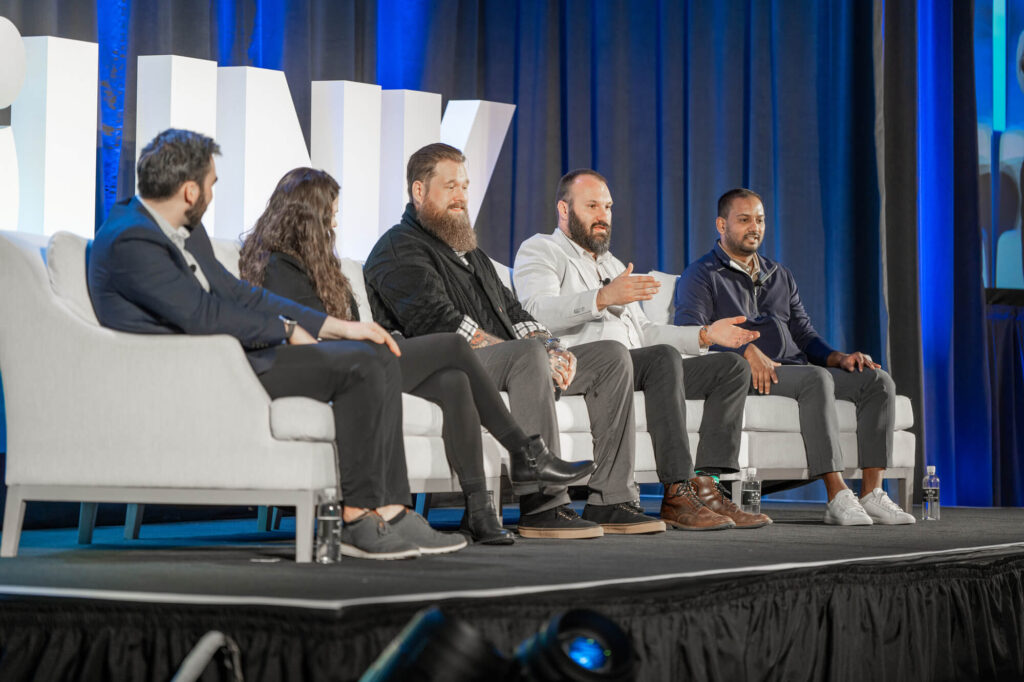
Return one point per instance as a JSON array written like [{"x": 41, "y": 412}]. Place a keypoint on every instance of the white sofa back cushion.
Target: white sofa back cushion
[
  {"x": 65, "y": 265},
  {"x": 661, "y": 309}
]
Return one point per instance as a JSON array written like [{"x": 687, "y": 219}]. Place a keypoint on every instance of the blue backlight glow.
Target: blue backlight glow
[{"x": 587, "y": 653}]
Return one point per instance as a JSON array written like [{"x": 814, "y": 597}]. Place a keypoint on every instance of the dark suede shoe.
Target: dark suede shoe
[
  {"x": 532, "y": 468},
  {"x": 560, "y": 522},
  {"x": 682, "y": 509},
  {"x": 622, "y": 519},
  {"x": 710, "y": 492},
  {"x": 480, "y": 522}
]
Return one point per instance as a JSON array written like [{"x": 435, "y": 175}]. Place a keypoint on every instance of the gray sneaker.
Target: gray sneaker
[
  {"x": 415, "y": 530},
  {"x": 371, "y": 537}
]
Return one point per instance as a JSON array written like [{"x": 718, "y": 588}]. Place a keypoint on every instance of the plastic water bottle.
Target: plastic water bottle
[
  {"x": 930, "y": 496},
  {"x": 750, "y": 492},
  {"x": 328, "y": 528}
]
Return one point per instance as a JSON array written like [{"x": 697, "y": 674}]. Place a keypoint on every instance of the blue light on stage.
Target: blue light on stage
[
  {"x": 112, "y": 36},
  {"x": 403, "y": 27},
  {"x": 587, "y": 653},
  {"x": 935, "y": 235},
  {"x": 999, "y": 65}
]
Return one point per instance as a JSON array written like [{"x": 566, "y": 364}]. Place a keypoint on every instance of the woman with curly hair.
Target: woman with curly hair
[{"x": 290, "y": 251}]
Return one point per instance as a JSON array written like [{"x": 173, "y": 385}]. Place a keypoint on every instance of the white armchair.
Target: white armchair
[{"x": 104, "y": 416}]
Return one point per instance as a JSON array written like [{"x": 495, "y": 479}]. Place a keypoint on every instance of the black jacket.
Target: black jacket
[
  {"x": 417, "y": 285},
  {"x": 287, "y": 276},
  {"x": 139, "y": 282}
]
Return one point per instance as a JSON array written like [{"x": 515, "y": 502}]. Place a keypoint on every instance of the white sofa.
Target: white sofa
[{"x": 95, "y": 415}]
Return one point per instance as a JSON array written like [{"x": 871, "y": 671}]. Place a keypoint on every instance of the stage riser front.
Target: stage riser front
[{"x": 935, "y": 619}]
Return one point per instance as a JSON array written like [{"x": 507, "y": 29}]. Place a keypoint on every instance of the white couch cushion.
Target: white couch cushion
[
  {"x": 296, "y": 418},
  {"x": 65, "y": 265},
  {"x": 660, "y": 308},
  {"x": 226, "y": 251},
  {"x": 353, "y": 270},
  {"x": 420, "y": 417}
]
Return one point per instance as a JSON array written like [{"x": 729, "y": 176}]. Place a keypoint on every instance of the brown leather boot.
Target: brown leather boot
[
  {"x": 681, "y": 508},
  {"x": 711, "y": 494}
]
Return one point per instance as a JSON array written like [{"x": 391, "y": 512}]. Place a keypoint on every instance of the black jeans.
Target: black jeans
[
  {"x": 443, "y": 369},
  {"x": 363, "y": 382}
]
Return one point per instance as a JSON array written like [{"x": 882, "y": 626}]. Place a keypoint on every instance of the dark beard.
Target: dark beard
[
  {"x": 453, "y": 229},
  {"x": 194, "y": 215},
  {"x": 579, "y": 233},
  {"x": 739, "y": 246}
]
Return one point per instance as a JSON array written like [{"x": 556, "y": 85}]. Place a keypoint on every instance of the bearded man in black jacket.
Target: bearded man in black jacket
[{"x": 427, "y": 275}]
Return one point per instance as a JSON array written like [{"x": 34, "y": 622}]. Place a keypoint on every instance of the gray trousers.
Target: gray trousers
[
  {"x": 604, "y": 377},
  {"x": 721, "y": 380},
  {"x": 816, "y": 390}
]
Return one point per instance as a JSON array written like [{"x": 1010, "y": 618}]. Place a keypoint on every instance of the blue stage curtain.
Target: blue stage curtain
[
  {"x": 1006, "y": 350},
  {"x": 956, "y": 406}
]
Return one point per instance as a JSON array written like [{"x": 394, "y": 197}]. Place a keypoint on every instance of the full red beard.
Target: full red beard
[{"x": 451, "y": 228}]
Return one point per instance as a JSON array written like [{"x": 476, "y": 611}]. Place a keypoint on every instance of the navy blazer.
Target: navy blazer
[{"x": 139, "y": 282}]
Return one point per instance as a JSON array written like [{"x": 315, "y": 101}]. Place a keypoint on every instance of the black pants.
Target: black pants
[
  {"x": 443, "y": 369},
  {"x": 363, "y": 382}
]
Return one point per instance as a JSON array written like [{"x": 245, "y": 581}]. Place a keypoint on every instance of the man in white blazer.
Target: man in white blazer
[{"x": 570, "y": 282}]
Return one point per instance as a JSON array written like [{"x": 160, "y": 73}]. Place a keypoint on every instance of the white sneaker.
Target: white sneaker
[
  {"x": 883, "y": 510},
  {"x": 845, "y": 510}
]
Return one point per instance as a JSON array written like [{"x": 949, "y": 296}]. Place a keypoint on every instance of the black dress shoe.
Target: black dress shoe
[
  {"x": 480, "y": 522},
  {"x": 534, "y": 469}
]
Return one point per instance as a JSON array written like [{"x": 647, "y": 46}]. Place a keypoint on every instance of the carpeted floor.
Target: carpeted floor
[{"x": 230, "y": 559}]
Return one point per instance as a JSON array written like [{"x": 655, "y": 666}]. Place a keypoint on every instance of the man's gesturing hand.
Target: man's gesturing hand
[
  {"x": 854, "y": 361},
  {"x": 627, "y": 288},
  {"x": 357, "y": 331},
  {"x": 724, "y": 332},
  {"x": 563, "y": 367},
  {"x": 762, "y": 369}
]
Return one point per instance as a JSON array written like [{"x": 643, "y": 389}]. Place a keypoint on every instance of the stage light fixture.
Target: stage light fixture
[
  {"x": 577, "y": 645},
  {"x": 433, "y": 647}
]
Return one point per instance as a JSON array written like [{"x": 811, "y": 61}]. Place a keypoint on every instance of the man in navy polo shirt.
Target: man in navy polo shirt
[{"x": 790, "y": 359}]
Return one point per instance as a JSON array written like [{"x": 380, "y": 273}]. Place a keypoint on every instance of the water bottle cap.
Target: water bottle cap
[{"x": 931, "y": 470}]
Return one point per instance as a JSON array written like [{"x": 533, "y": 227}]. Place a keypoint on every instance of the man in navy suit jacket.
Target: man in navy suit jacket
[{"x": 152, "y": 270}]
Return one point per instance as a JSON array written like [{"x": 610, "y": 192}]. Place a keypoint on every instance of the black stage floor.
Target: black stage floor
[
  {"x": 228, "y": 559},
  {"x": 795, "y": 600}
]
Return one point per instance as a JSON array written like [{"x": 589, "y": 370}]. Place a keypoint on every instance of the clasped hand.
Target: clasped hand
[{"x": 563, "y": 367}]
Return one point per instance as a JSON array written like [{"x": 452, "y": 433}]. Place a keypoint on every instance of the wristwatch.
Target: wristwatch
[{"x": 289, "y": 326}]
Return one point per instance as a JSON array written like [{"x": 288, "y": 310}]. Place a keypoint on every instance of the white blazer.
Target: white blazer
[{"x": 557, "y": 282}]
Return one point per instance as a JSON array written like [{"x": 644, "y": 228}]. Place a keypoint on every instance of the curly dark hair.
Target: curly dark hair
[
  {"x": 297, "y": 222},
  {"x": 171, "y": 159}
]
